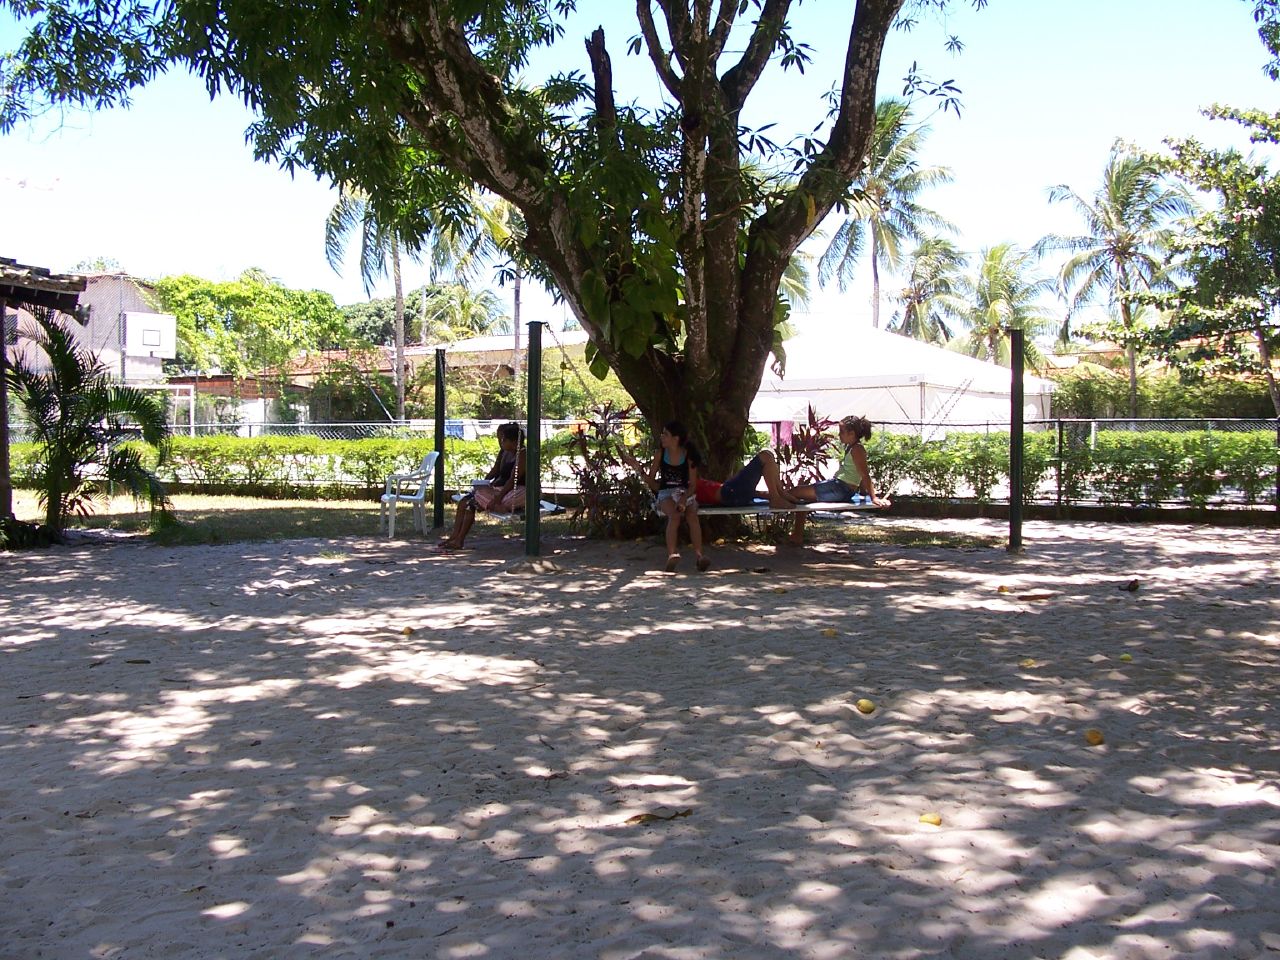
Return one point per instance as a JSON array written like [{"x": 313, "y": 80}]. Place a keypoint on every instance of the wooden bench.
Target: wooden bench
[{"x": 761, "y": 508}]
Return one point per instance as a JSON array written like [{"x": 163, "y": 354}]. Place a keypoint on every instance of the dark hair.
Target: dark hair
[
  {"x": 511, "y": 431},
  {"x": 860, "y": 426},
  {"x": 681, "y": 433}
]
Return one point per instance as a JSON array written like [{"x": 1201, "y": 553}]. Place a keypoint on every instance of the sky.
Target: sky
[{"x": 170, "y": 185}]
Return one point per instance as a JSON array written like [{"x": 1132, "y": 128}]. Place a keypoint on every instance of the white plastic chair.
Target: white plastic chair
[{"x": 411, "y": 488}]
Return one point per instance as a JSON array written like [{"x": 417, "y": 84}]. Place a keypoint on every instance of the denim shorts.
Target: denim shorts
[{"x": 833, "y": 491}]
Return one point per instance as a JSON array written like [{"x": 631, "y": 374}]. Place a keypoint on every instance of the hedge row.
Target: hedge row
[
  {"x": 297, "y": 466},
  {"x": 1112, "y": 467}
]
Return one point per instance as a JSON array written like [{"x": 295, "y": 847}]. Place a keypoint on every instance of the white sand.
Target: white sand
[{"x": 235, "y": 752}]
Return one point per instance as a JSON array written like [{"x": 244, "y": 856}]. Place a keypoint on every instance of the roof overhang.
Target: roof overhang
[{"x": 23, "y": 285}]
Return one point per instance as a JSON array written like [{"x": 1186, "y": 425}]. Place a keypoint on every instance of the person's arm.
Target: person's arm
[
  {"x": 496, "y": 468},
  {"x": 860, "y": 460},
  {"x": 650, "y": 476},
  {"x": 513, "y": 477},
  {"x": 691, "y": 495}
]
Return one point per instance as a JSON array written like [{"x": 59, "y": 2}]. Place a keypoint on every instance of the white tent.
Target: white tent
[{"x": 891, "y": 379}]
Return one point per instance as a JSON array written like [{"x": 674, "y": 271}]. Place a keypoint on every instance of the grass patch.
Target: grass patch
[
  {"x": 899, "y": 536},
  {"x": 206, "y": 519}
]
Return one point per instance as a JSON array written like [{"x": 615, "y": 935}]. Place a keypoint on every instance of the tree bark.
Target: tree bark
[
  {"x": 1268, "y": 371},
  {"x": 703, "y": 367}
]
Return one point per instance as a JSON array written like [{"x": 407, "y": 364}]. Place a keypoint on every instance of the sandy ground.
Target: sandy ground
[{"x": 361, "y": 748}]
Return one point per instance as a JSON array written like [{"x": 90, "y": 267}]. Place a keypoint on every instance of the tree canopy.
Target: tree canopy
[
  {"x": 645, "y": 219},
  {"x": 249, "y": 325}
]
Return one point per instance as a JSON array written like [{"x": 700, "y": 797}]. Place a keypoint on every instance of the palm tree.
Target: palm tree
[
  {"x": 79, "y": 417},
  {"x": 466, "y": 311},
  {"x": 1000, "y": 295},
  {"x": 886, "y": 213},
  {"x": 1121, "y": 252},
  {"x": 379, "y": 244},
  {"x": 931, "y": 294},
  {"x": 503, "y": 234}
]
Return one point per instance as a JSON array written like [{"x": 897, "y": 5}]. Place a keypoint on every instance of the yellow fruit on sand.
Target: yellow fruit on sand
[
  {"x": 933, "y": 818},
  {"x": 1028, "y": 663},
  {"x": 407, "y": 631},
  {"x": 829, "y": 632},
  {"x": 1093, "y": 737},
  {"x": 1126, "y": 657},
  {"x": 865, "y": 706}
]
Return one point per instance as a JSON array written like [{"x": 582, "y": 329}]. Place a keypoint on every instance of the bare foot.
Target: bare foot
[
  {"x": 448, "y": 543},
  {"x": 672, "y": 562},
  {"x": 704, "y": 564}
]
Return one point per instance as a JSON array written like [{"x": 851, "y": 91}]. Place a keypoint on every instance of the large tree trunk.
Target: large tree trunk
[
  {"x": 515, "y": 322},
  {"x": 875, "y": 287},
  {"x": 702, "y": 363},
  {"x": 1264, "y": 355}
]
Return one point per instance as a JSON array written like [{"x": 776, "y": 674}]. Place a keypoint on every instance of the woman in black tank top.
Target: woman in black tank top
[{"x": 673, "y": 477}]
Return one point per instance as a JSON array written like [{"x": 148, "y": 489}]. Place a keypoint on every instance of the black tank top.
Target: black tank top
[{"x": 673, "y": 475}]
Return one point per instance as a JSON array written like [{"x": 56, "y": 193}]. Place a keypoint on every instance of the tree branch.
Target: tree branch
[
  {"x": 458, "y": 85},
  {"x": 653, "y": 43},
  {"x": 678, "y": 27},
  {"x": 840, "y": 161},
  {"x": 602, "y": 72},
  {"x": 742, "y": 77},
  {"x": 724, "y": 23}
]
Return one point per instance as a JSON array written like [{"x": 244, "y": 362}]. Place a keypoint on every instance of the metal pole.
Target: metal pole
[
  {"x": 6, "y": 477},
  {"x": 1061, "y": 434},
  {"x": 1016, "y": 336},
  {"x": 437, "y": 515},
  {"x": 533, "y": 443}
]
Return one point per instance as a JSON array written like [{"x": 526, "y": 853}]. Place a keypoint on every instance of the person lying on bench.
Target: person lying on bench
[
  {"x": 852, "y": 477},
  {"x": 673, "y": 474},
  {"x": 503, "y": 493},
  {"x": 740, "y": 489}
]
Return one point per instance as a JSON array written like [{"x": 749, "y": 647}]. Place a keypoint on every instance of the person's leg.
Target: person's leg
[
  {"x": 462, "y": 521},
  {"x": 740, "y": 489},
  {"x": 465, "y": 505},
  {"x": 464, "y": 527},
  {"x": 806, "y": 494},
  {"x": 695, "y": 534},
  {"x": 778, "y": 497},
  {"x": 668, "y": 508},
  {"x": 797, "y": 531}
]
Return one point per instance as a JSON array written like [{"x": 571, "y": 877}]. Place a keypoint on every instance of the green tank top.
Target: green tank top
[{"x": 849, "y": 471}]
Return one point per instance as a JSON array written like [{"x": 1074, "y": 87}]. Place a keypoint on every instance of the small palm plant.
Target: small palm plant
[{"x": 80, "y": 420}]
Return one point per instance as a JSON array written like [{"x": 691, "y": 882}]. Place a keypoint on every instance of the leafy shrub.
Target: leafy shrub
[
  {"x": 804, "y": 460},
  {"x": 981, "y": 460},
  {"x": 613, "y": 501},
  {"x": 1248, "y": 463}
]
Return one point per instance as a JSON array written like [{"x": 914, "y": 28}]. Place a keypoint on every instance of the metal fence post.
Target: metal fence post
[
  {"x": 437, "y": 514},
  {"x": 1061, "y": 447},
  {"x": 1016, "y": 338},
  {"x": 533, "y": 444}
]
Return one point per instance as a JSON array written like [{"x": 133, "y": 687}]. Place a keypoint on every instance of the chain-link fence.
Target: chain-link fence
[{"x": 1202, "y": 462}]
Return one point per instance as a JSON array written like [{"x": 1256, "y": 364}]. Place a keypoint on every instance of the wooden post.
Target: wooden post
[
  {"x": 437, "y": 515},
  {"x": 533, "y": 444},
  {"x": 1016, "y": 340}
]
